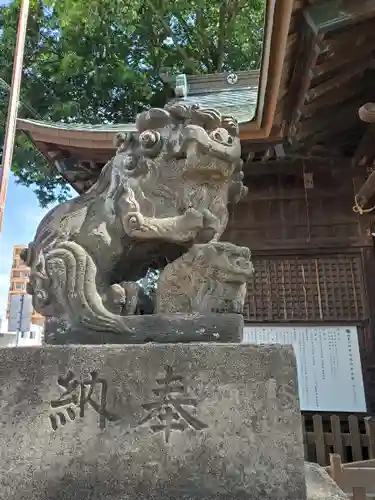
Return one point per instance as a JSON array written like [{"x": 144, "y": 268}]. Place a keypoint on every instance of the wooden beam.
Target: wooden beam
[
  {"x": 365, "y": 152},
  {"x": 365, "y": 196},
  {"x": 331, "y": 120},
  {"x": 301, "y": 80},
  {"x": 334, "y": 96},
  {"x": 271, "y": 72},
  {"x": 361, "y": 33},
  {"x": 340, "y": 61},
  {"x": 333, "y": 15},
  {"x": 342, "y": 77},
  {"x": 365, "y": 155},
  {"x": 296, "y": 165}
]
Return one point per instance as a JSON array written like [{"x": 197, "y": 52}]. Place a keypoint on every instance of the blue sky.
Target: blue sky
[{"x": 21, "y": 218}]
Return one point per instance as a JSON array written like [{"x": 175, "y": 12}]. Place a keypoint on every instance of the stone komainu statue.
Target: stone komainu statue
[{"x": 161, "y": 202}]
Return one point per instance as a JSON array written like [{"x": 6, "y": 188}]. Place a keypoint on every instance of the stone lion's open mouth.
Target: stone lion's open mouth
[{"x": 208, "y": 157}]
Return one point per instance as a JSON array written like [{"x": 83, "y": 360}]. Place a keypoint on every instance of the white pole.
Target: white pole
[{"x": 11, "y": 124}]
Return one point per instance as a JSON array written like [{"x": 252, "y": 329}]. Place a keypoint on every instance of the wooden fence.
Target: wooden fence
[
  {"x": 350, "y": 436},
  {"x": 356, "y": 479}
]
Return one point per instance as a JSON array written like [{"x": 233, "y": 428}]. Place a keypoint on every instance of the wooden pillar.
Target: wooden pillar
[{"x": 368, "y": 336}]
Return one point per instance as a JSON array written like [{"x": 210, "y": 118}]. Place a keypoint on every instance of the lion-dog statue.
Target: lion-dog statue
[{"x": 161, "y": 202}]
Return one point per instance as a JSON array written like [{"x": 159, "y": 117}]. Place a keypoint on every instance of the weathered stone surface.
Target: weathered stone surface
[
  {"x": 320, "y": 486},
  {"x": 166, "y": 328},
  {"x": 166, "y": 190},
  {"x": 207, "y": 278},
  {"x": 229, "y": 429}
]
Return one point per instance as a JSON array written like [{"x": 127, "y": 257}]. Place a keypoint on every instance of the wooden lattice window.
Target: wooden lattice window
[{"x": 326, "y": 288}]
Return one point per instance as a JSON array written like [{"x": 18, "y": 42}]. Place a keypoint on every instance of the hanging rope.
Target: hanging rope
[{"x": 360, "y": 210}]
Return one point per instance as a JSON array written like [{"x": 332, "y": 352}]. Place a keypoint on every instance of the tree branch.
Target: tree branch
[
  {"x": 170, "y": 32},
  {"x": 187, "y": 31},
  {"x": 229, "y": 10},
  {"x": 207, "y": 44},
  {"x": 220, "y": 51}
]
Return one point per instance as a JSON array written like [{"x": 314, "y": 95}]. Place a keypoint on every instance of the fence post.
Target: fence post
[
  {"x": 355, "y": 438},
  {"x": 319, "y": 440},
  {"x": 359, "y": 493},
  {"x": 336, "y": 468},
  {"x": 338, "y": 446},
  {"x": 370, "y": 431}
]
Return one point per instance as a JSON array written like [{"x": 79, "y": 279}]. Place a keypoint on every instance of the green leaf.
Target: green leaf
[{"x": 101, "y": 60}]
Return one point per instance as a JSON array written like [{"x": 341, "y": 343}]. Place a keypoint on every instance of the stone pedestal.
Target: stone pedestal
[
  {"x": 167, "y": 328},
  {"x": 320, "y": 486},
  {"x": 155, "y": 421}
]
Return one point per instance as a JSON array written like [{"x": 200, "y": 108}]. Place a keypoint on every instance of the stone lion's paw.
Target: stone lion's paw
[{"x": 133, "y": 222}]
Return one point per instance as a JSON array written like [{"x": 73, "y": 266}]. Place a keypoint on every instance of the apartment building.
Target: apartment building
[{"x": 19, "y": 276}]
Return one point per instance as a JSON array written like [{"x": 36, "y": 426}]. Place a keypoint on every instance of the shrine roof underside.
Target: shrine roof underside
[{"x": 318, "y": 70}]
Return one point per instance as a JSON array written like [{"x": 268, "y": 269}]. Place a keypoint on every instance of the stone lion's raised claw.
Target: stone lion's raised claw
[
  {"x": 132, "y": 222},
  {"x": 180, "y": 228}
]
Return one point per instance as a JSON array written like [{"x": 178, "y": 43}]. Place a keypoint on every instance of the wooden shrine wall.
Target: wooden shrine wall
[
  {"x": 312, "y": 254},
  {"x": 292, "y": 206},
  {"x": 307, "y": 288}
]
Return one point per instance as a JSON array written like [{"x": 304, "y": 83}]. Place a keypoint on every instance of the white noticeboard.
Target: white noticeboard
[{"x": 328, "y": 364}]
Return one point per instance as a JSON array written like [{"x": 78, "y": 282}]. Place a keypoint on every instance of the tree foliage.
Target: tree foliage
[{"x": 101, "y": 61}]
